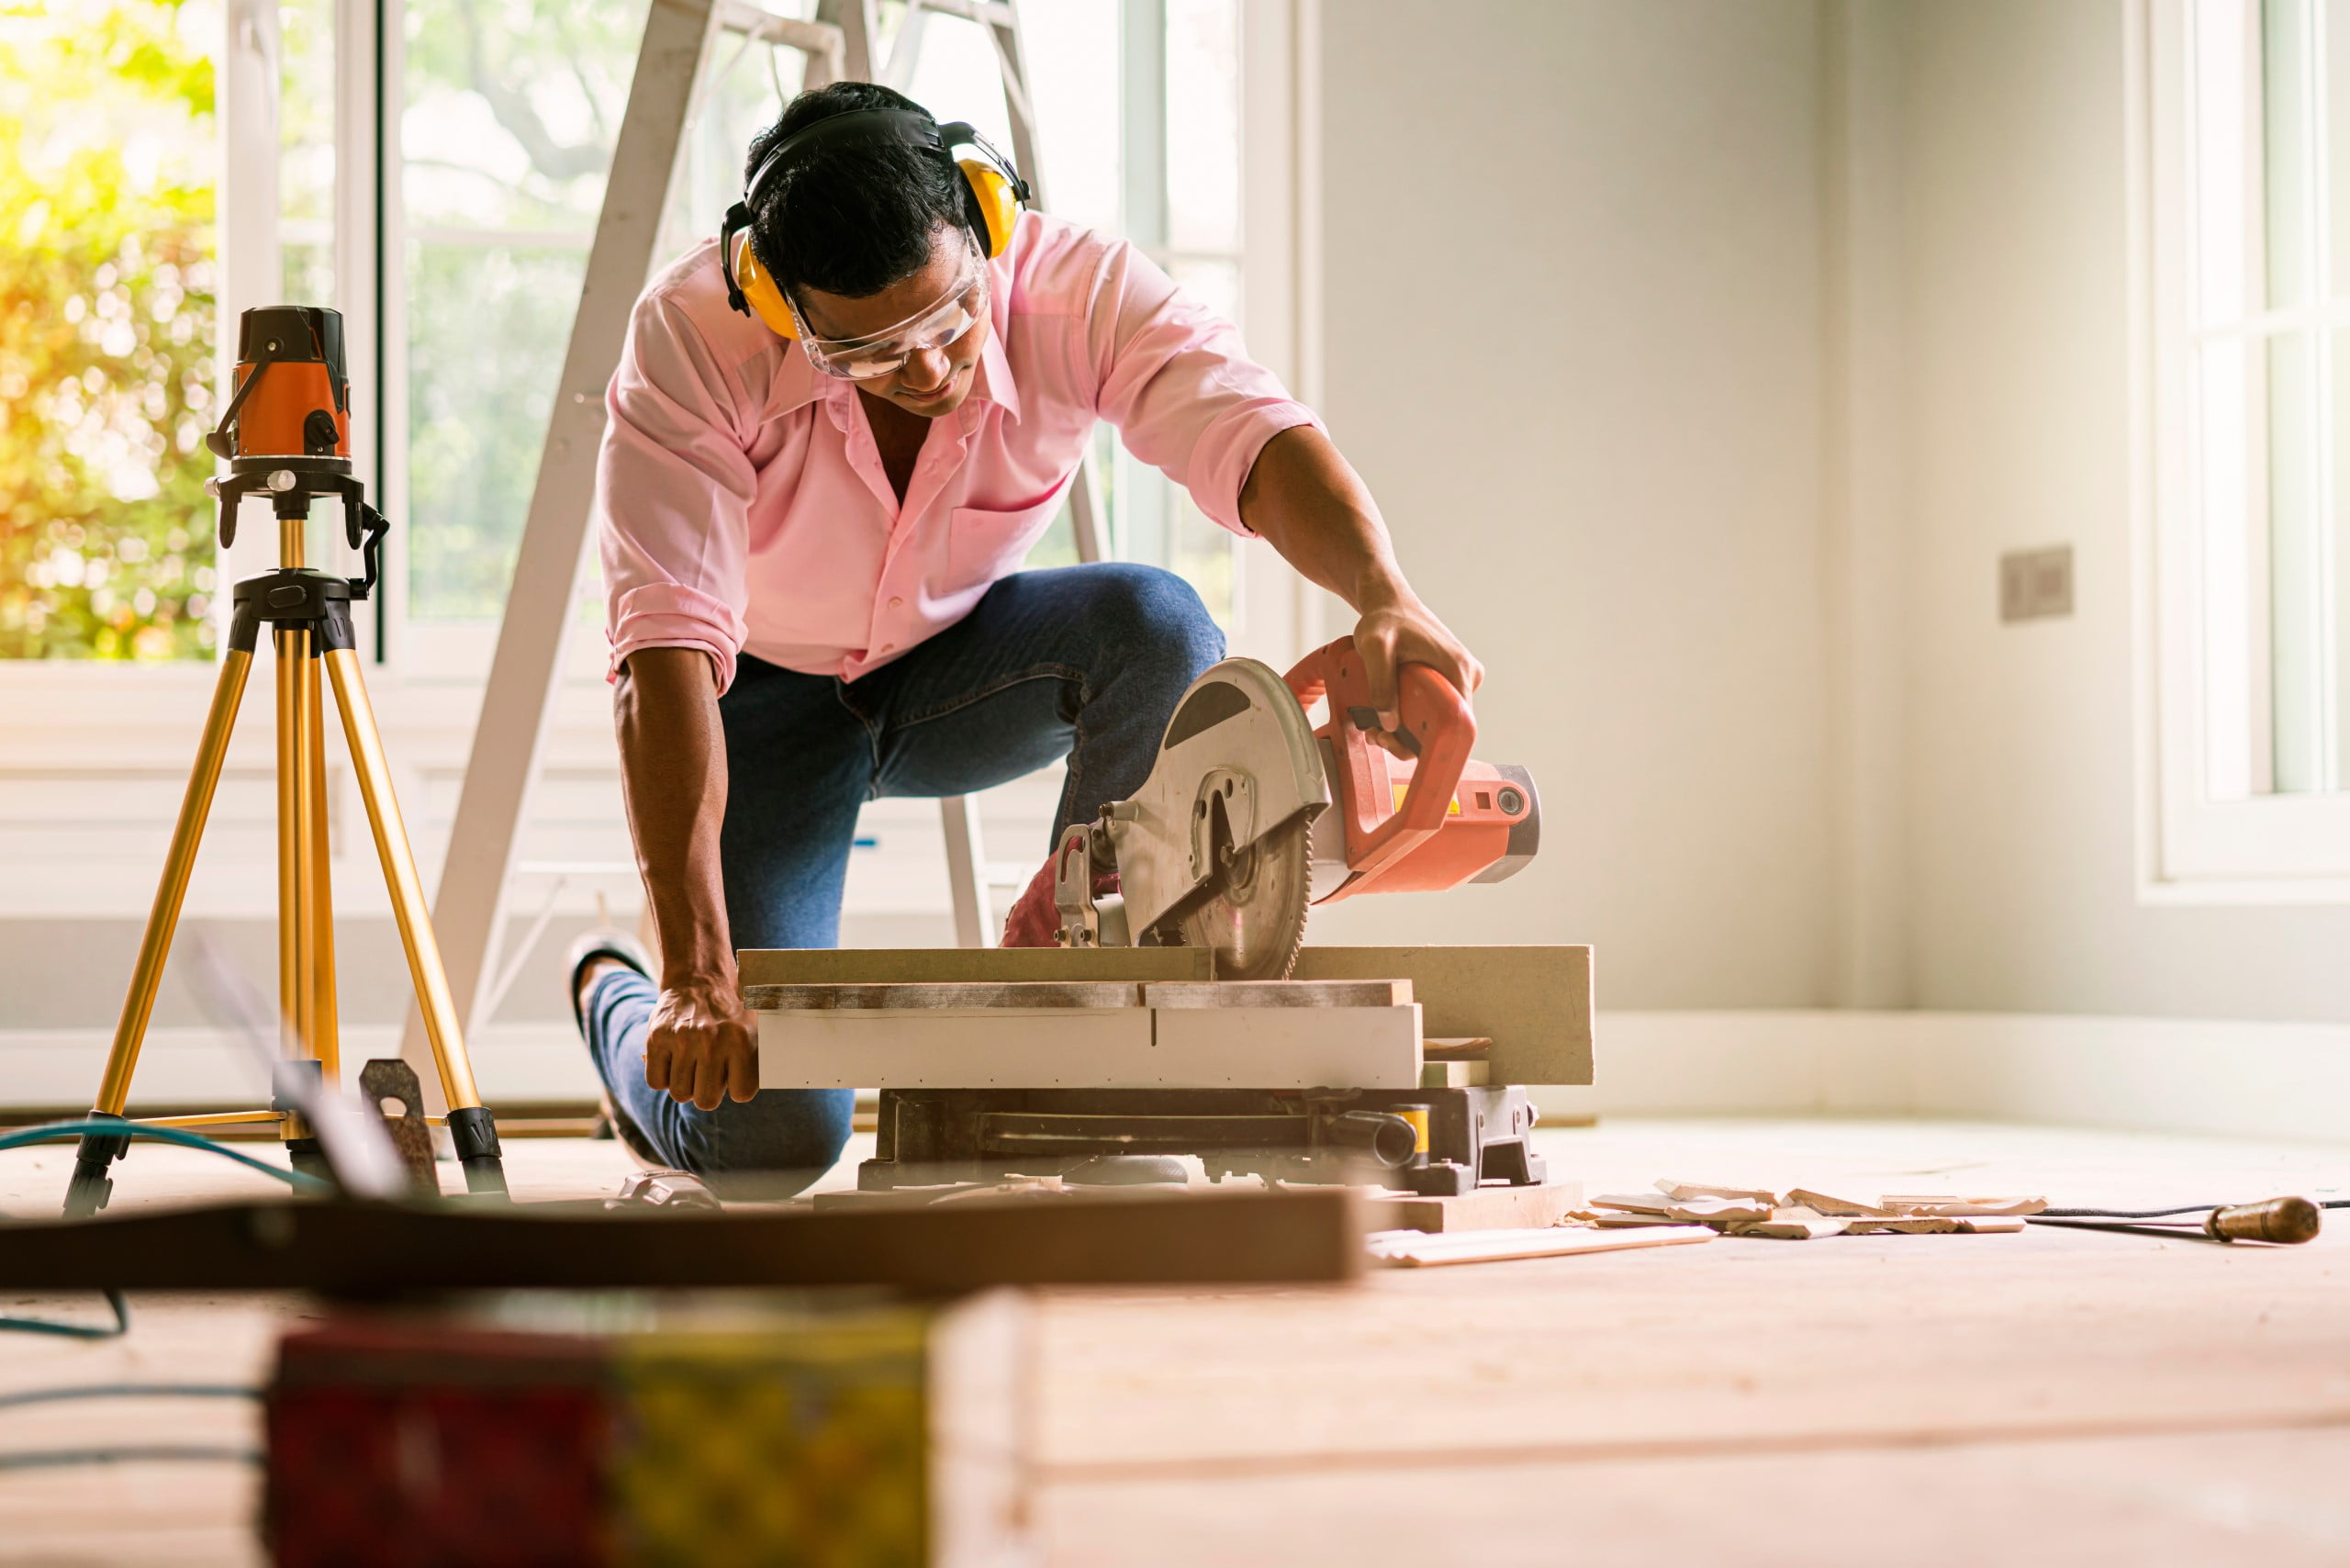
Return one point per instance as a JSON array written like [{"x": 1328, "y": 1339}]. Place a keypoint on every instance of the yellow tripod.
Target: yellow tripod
[{"x": 309, "y": 614}]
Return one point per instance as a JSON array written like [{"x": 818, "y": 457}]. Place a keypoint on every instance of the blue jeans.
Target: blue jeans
[{"x": 1085, "y": 663}]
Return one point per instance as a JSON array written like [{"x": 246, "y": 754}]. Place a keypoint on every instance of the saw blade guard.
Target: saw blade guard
[
  {"x": 1435, "y": 821},
  {"x": 1237, "y": 736}
]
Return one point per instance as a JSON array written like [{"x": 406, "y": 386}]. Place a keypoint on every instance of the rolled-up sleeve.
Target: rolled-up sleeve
[
  {"x": 673, "y": 492},
  {"x": 1173, "y": 378}
]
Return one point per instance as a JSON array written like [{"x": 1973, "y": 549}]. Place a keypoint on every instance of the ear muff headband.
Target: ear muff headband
[{"x": 995, "y": 186}]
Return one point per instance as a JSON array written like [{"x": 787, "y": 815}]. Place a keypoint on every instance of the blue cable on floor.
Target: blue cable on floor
[{"x": 48, "y": 1132}]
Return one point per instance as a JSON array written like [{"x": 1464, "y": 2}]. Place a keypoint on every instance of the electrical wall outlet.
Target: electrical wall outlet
[{"x": 2035, "y": 583}]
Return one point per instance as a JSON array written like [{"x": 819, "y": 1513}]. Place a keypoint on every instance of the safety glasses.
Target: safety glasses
[{"x": 886, "y": 352}]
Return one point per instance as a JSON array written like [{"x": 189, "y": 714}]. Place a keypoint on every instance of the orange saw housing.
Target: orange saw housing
[{"x": 1422, "y": 825}]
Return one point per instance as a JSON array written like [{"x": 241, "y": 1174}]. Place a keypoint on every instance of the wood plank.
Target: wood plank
[
  {"x": 1455, "y": 1074},
  {"x": 1487, "y": 1208},
  {"x": 1290, "y": 1048},
  {"x": 1278, "y": 994},
  {"x": 919, "y": 996},
  {"x": 327, "y": 1245},
  {"x": 1417, "y": 1249},
  {"x": 1133, "y": 1047},
  {"x": 961, "y": 1047},
  {"x": 969, "y": 966},
  {"x": 1534, "y": 1001},
  {"x": 904, "y": 995}
]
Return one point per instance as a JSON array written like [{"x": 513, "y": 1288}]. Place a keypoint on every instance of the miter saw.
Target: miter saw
[{"x": 1250, "y": 806}]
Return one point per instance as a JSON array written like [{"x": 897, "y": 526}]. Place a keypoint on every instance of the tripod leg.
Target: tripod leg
[
  {"x": 325, "y": 1039},
  {"x": 299, "y": 757},
  {"x": 471, "y": 1127},
  {"x": 91, "y": 1184},
  {"x": 296, "y": 954}
]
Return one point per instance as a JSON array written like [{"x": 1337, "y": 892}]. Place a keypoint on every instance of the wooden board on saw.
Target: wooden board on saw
[
  {"x": 1350, "y": 1034},
  {"x": 1495, "y": 1207},
  {"x": 1535, "y": 1002},
  {"x": 968, "y": 965}
]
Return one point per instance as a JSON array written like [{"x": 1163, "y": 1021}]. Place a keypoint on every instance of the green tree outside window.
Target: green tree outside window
[{"x": 106, "y": 328}]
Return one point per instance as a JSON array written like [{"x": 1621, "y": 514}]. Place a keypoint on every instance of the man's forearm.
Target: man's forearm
[
  {"x": 1310, "y": 504},
  {"x": 673, "y": 774},
  {"x": 1307, "y": 501}
]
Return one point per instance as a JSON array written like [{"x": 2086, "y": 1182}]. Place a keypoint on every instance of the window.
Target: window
[
  {"x": 108, "y": 277},
  {"x": 498, "y": 123},
  {"x": 2249, "y": 162},
  {"x": 508, "y": 116}
]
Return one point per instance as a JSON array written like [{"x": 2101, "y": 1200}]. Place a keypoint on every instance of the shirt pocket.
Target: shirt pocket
[{"x": 984, "y": 545}]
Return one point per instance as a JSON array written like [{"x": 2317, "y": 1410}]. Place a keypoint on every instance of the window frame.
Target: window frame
[{"x": 2197, "y": 844}]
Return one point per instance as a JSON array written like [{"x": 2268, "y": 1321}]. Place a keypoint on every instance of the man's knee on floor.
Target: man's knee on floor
[
  {"x": 1163, "y": 614},
  {"x": 771, "y": 1145}
]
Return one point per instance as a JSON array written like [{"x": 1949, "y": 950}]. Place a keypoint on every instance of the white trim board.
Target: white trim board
[
  {"x": 2219, "y": 1077},
  {"x": 199, "y": 1065}
]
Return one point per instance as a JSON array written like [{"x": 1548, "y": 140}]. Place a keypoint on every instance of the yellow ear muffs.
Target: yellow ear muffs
[
  {"x": 998, "y": 203},
  {"x": 759, "y": 290}
]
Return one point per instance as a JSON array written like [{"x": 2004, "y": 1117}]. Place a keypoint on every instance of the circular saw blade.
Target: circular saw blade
[{"x": 1256, "y": 921}]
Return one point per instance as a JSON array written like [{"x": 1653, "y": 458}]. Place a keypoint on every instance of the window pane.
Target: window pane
[
  {"x": 306, "y": 85},
  {"x": 486, "y": 329},
  {"x": 510, "y": 116},
  {"x": 2226, "y": 76},
  {"x": 2288, "y": 143},
  {"x": 2333, "y": 81},
  {"x": 1070, "y": 47},
  {"x": 511, "y": 111},
  {"x": 107, "y": 173},
  {"x": 2232, "y": 445},
  {"x": 2327, "y": 600},
  {"x": 1203, "y": 125},
  {"x": 2297, "y": 679}
]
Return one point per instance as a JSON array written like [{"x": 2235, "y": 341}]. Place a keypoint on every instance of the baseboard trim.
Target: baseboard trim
[
  {"x": 2217, "y": 1076},
  {"x": 535, "y": 1062}
]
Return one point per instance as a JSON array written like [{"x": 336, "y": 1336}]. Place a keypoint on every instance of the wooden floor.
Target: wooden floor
[{"x": 2048, "y": 1397}]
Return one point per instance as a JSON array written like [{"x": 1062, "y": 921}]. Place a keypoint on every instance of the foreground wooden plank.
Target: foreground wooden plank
[{"x": 324, "y": 1245}]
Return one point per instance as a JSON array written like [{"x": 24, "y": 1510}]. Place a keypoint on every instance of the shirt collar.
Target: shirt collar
[{"x": 992, "y": 380}]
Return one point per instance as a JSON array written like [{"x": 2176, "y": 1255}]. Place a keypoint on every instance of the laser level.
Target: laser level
[{"x": 285, "y": 434}]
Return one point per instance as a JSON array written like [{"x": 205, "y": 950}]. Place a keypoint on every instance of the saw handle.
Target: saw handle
[{"x": 1433, "y": 723}]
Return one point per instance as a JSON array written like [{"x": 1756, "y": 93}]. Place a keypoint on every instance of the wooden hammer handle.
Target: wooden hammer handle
[{"x": 2289, "y": 1221}]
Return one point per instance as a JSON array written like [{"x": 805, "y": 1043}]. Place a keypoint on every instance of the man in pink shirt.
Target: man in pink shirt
[{"x": 828, "y": 454}]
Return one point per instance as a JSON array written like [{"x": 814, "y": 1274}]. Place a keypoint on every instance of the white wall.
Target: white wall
[
  {"x": 1571, "y": 315},
  {"x": 2012, "y": 231}
]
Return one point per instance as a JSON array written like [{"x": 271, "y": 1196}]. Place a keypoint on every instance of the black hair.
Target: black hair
[{"x": 847, "y": 216}]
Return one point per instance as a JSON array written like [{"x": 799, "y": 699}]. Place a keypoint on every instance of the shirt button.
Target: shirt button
[
  {"x": 889, "y": 647},
  {"x": 897, "y": 604}
]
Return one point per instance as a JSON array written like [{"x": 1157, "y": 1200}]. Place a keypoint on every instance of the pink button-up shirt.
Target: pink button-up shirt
[{"x": 741, "y": 500}]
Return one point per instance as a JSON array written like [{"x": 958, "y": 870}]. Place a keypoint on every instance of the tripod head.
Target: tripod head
[{"x": 287, "y": 433}]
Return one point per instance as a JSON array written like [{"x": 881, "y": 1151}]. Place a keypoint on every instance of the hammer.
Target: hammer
[{"x": 2284, "y": 1221}]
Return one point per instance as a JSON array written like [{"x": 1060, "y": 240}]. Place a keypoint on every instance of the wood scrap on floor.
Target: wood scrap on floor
[
  {"x": 1419, "y": 1249},
  {"x": 1802, "y": 1214},
  {"x": 1490, "y": 1207}
]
